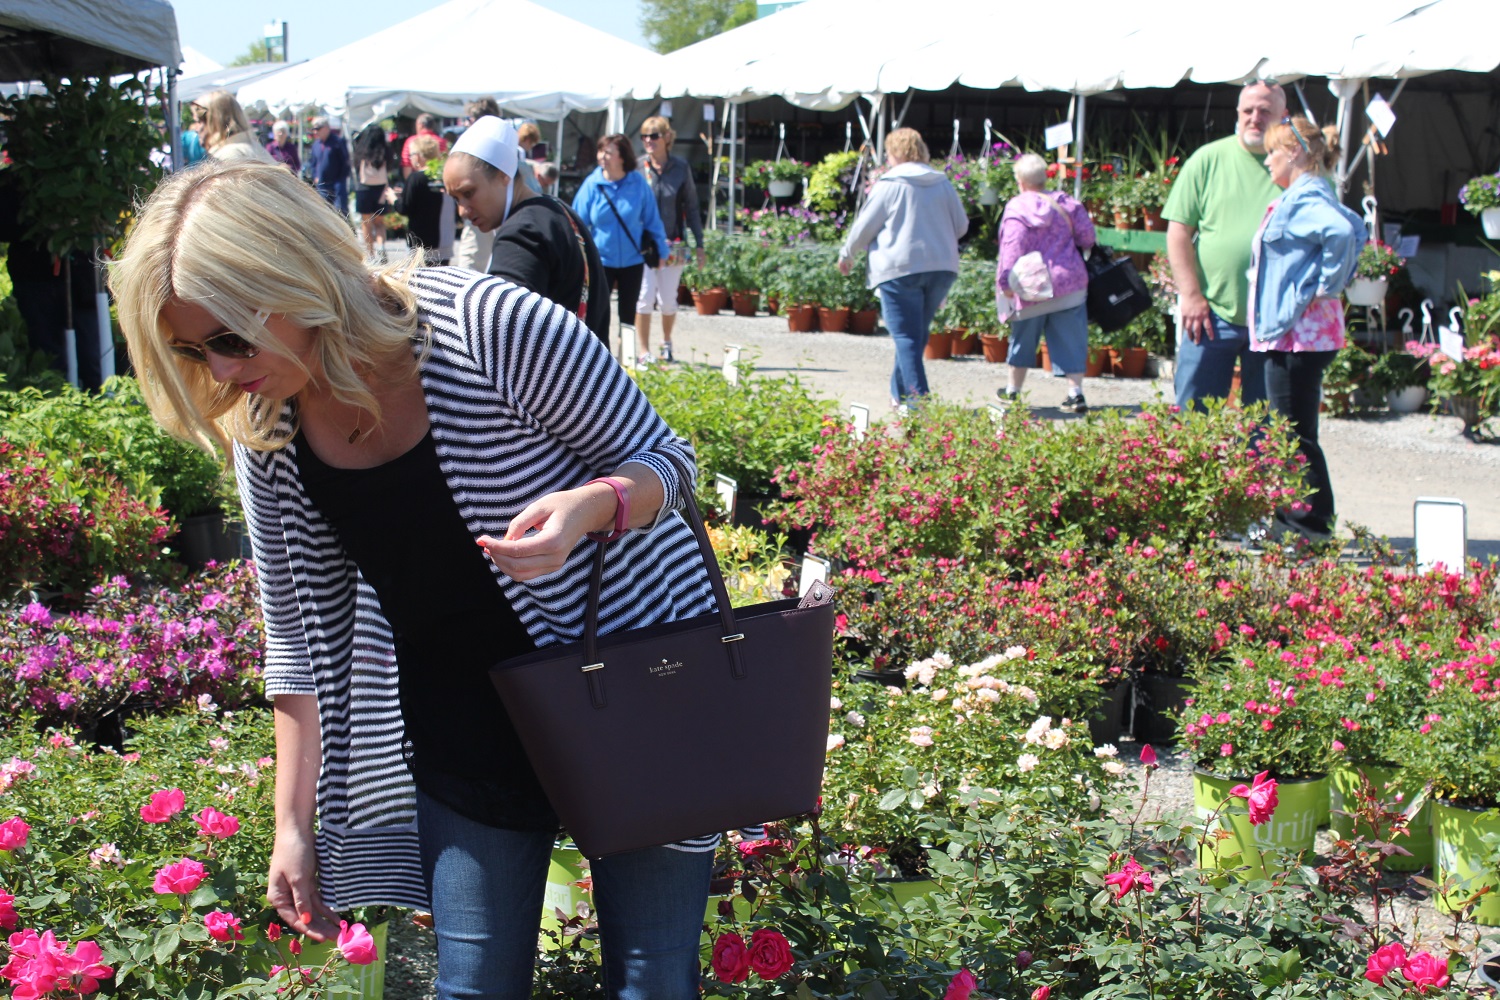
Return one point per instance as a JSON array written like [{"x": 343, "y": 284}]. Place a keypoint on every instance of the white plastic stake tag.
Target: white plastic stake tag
[
  {"x": 710, "y": 112},
  {"x": 1059, "y": 135},
  {"x": 814, "y": 570},
  {"x": 859, "y": 415},
  {"x": 627, "y": 347},
  {"x": 1440, "y": 533},
  {"x": 1451, "y": 342},
  {"x": 728, "y": 491},
  {"x": 732, "y": 363},
  {"x": 1381, "y": 115}
]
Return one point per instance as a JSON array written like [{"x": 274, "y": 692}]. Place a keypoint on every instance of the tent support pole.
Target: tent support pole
[
  {"x": 557, "y": 151},
  {"x": 1346, "y": 128},
  {"x": 881, "y": 123},
  {"x": 174, "y": 121},
  {"x": 905, "y": 106},
  {"x": 101, "y": 309},
  {"x": 734, "y": 141},
  {"x": 1078, "y": 150}
]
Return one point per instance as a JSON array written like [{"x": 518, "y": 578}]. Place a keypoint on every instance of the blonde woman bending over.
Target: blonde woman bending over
[{"x": 224, "y": 129}]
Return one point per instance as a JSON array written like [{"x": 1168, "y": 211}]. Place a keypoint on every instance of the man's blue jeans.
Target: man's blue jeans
[
  {"x": 487, "y": 887},
  {"x": 1205, "y": 370},
  {"x": 908, "y": 304}
]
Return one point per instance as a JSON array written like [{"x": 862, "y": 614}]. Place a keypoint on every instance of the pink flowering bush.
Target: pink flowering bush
[
  {"x": 64, "y": 528},
  {"x": 143, "y": 873},
  {"x": 129, "y": 650},
  {"x": 1456, "y": 745}
]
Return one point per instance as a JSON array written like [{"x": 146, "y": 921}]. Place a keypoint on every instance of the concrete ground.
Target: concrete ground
[{"x": 1379, "y": 465}]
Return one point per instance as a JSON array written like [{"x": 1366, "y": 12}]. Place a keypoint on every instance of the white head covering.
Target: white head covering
[{"x": 494, "y": 142}]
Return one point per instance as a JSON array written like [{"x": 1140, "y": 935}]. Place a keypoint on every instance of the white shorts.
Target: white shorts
[{"x": 659, "y": 290}]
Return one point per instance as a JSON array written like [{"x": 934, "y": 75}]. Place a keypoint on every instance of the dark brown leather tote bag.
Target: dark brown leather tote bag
[{"x": 640, "y": 738}]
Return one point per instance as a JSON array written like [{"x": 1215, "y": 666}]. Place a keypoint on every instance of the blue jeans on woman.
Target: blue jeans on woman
[
  {"x": 908, "y": 304},
  {"x": 487, "y": 886},
  {"x": 1205, "y": 370}
]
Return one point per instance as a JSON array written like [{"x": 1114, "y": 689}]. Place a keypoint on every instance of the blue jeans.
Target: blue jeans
[
  {"x": 487, "y": 886},
  {"x": 907, "y": 305},
  {"x": 1206, "y": 369},
  {"x": 1067, "y": 336}
]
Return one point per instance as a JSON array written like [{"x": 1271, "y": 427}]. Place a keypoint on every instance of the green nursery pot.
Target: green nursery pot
[
  {"x": 1344, "y": 784},
  {"x": 1460, "y": 854},
  {"x": 1293, "y": 827}
]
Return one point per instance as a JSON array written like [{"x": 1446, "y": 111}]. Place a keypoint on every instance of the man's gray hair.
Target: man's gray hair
[
  {"x": 1277, "y": 91},
  {"x": 319, "y": 122},
  {"x": 1031, "y": 170},
  {"x": 281, "y": 128}
]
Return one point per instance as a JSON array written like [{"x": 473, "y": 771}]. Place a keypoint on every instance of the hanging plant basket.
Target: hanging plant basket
[
  {"x": 1366, "y": 291},
  {"x": 782, "y": 189}
]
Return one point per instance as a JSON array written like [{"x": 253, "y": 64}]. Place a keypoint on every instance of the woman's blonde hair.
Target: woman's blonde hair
[
  {"x": 223, "y": 119},
  {"x": 244, "y": 237},
  {"x": 424, "y": 147},
  {"x": 905, "y": 145},
  {"x": 656, "y": 123},
  {"x": 1322, "y": 144}
]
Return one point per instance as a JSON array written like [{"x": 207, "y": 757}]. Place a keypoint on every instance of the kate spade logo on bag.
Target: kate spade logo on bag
[{"x": 666, "y": 669}]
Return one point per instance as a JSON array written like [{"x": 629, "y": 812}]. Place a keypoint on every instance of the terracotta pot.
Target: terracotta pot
[
  {"x": 1043, "y": 359},
  {"x": 1095, "y": 209},
  {"x": 801, "y": 319},
  {"x": 773, "y": 305},
  {"x": 745, "y": 303},
  {"x": 1129, "y": 362},
  {"x": 833, "y": 320},
  {"x": 939, "y": 346},
  {"x": 1153, "y": 220},
  {"x": 863, "y": 321},
  {"x": 964, "y": 342},
  {"x": 1097, "y": 363},
  {"x": 1125, "y": 220},
  {"x": 710, "y": 301},
  {"x": 994, "y": 347}
]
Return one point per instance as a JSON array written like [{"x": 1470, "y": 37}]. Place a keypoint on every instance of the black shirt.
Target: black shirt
[
  {"x": 451, "y": 622},
  {"x": 537, "y": 248},
  {"x": 421, "y": 202}
]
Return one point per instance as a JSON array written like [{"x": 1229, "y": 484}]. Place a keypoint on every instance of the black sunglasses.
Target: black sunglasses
[
  {"x": 650, "y": 135},
  {"x": 225, "y": 345}
]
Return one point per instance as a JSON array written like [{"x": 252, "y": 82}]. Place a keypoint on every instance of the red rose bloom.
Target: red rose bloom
[
  {"x": 731, "y": 960},
  {"x": 770, "y": 954}
]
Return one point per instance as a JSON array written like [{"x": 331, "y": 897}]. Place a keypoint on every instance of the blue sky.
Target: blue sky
[{"x": 222, "y": 31}]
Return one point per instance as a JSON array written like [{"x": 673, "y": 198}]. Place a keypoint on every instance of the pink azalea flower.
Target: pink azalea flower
[
  {"x": 164, "y": 804},
  {"x": 1261, "y": 797},
  {"x": 1386, "y": 960},
  {"x": 223, "y": 926},
  {"x": 180, "y": 878},
  {"x": 13, "y": 833},
  {"x": 356, "y": 944},
  {"x": 215, "y": 825}
]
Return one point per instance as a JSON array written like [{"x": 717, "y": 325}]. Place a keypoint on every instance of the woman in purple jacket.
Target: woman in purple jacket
[{"x": 1054, "y": 283}]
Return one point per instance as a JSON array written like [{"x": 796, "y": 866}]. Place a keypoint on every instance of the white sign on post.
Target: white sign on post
[
  {"x": 1059, "y": 135},
  {"x": 1381, "y": 115},
  {"x": 728, "y": 491},
  {"x": 859, "y": 415},
  {"x": 627, "y": 347},
  {"x": 732, "y": 363},
  {"x": 814, "y": 570},
  {"x": 710, "y": 111},
  {"x": 1440, "y": 533},
  {"x": 1451, "y": 342}
]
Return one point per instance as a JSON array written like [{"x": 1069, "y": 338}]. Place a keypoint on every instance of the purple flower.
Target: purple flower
[{"x": 36, "y": 614}]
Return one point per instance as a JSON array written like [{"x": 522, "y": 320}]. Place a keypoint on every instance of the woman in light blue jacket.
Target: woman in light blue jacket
[
  {"x": 620, "y": 210},
  {"x": 1302, "y": 257}
]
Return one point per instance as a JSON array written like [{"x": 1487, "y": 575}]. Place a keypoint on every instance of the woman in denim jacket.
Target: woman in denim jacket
[{"x": 1303, "y": 256}]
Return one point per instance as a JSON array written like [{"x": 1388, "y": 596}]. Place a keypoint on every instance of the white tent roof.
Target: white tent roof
[
  {"x": 535, "y": 62},
  {"x": 230, "y": 78},
  {"x": 1159, "y": 43},
  {"x": 76, "y": 38},
  {"x": 195, "y": 63}
]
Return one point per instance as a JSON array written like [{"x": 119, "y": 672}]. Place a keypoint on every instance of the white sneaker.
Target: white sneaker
[{"x": 666, "y": 352}]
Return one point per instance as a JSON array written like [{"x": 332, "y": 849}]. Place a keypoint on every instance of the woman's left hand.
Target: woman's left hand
[
  {"x": 845, "y": 266},
  {"x": 560, "y": 520}
]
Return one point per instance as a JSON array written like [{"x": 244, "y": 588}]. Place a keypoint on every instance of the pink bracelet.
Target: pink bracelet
[{"x": 622, "y": 508}]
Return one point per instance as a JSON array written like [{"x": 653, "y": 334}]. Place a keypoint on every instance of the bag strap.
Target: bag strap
[
  {"x": 583, "y": 250},
  {"x": 732, "y": 634},
  {"x": 1072, "y": 233},
  {"x": 633, "y": 241}
]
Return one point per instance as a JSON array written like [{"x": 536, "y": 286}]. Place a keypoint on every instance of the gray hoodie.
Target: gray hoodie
[{"x": 911, "y": 224}]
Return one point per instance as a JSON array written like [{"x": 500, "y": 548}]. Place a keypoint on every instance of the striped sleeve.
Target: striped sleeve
[{"x": 288, "y": 663}]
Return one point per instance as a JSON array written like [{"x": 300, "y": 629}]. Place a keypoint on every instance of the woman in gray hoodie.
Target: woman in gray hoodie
[{"x": 911, "y": 225}]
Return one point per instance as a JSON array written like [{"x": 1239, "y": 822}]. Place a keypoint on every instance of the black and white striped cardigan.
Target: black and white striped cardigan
[{"x": 523, "y": 400}]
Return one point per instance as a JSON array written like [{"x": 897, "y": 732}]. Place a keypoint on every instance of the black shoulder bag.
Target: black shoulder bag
[{"x": 647, "y": 247}]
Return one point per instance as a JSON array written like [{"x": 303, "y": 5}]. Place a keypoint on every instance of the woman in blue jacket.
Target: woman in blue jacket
[
  {"x": 620, "y": 210},
  {"x": 1302, "y": 257}
]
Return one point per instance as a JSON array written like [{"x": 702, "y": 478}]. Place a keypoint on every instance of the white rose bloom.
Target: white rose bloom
[
  {"x": 1114, "y": 768},
  {"x": 939, "y": 694},
  {"x": 1106, "y": 750},
  {"x": 1040, "y": 726},
  {"x": 835, "y": 704},
  {"x": 1054, "y": 739},
  {"x": 987, "y": 694},
  {"x": 929, "y": 791},
  {"x": 835, "y": 741},
  {"x": 1015, "y": 653},
  {"x": 855, "y": 719},
  {"x": 1027, "y": 761}
]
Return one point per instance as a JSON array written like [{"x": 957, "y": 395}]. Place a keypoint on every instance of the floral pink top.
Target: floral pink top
[{"x": 1319, "y": 328}]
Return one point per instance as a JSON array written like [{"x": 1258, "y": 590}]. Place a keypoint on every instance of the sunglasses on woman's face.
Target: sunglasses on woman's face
[
  {"x": 651, "y": 135},
  {"x": 225, "y": 345}
]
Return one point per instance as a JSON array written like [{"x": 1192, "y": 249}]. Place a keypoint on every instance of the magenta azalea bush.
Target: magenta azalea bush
[{"x": 129, "y": 650}]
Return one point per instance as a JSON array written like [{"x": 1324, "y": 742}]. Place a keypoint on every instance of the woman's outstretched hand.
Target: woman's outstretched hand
[
  {"x": 556, "y": 522},
  {"x": 293, "y": 888}
]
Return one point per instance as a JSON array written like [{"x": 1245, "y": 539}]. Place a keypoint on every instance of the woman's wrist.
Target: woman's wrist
[{"x": 618, "y": 523}]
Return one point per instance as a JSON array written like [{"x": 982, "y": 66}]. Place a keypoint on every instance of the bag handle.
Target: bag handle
[
  {"x": 732, "y": 635},
  {"x": 1072, "y": 233},
  {"x": 633, "y": 241}
]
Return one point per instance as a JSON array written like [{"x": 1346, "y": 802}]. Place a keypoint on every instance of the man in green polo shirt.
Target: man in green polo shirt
[{"x": 1216, "y": 205}]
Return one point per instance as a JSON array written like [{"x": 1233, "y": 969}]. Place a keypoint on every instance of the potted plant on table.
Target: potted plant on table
[
  {"x": 1372, "y": 274},
  {"x": 1125, "y": 201},
  {"x": 742, "y": 274},
  {"x": 1470, "y": 385},
  {"x": 1402, "y": 379},
  {"x": 1481, "y": 197},
  {"x": 779, "y": 177}
]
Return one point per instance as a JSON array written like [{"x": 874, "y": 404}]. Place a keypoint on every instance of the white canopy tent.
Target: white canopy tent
[
  {"x": 457, "y": 52},
  {"x": 81, "y": 38}
]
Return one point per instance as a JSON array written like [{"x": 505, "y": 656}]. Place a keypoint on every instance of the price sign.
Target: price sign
[
  {"x": 728, "y": 491},
  {"x": 859, "y": 415},
  {"x": 732, "y": 363},
  {"x": 814, "y": 570},
  {"x": 1440, "y": 531}
]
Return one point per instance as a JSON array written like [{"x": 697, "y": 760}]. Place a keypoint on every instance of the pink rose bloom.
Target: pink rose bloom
[
  {"x": 1386, "y": 960},
  {"x": 13, "y": 833},
  {"x": 356, "y": 944},
  {"x": 1041, "y": 993},
  {"x": 731, "y": 959},
  {"x": 180, "y": 878},
  {"x": 1148, "y": 756},
  {"x": 961, "y": 985},
  {"x": 770, "y": 953},
  {"x": 921, "y": 736},
  {"x": 215, "y": 825},
  {"x": 8, "y": 916},
  {"x": 84, "y": 968},
  {"x": 1261, "y": 797},
  {"x": 1423, "y": 970},
  {"x": 164, "y": 805},
  {"x": 1226, "y": 749},
  {"x": 223, "y": 926},
  {"x": 1129, "y": 878}
]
